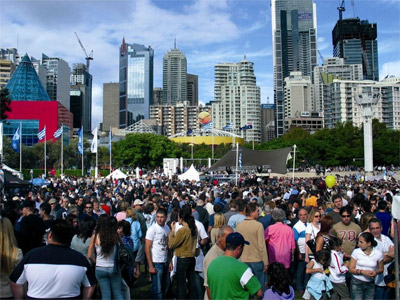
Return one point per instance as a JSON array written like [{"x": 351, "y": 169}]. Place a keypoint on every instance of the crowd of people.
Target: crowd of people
[{"x": 268, "y": 238}]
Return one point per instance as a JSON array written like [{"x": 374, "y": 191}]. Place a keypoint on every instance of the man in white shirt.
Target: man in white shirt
[
  {"x": 386, "y": 246},
  {"x": 156, "y": 249}
]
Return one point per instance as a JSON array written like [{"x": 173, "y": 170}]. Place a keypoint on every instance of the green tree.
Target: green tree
[{"x": 5, "y": 103}]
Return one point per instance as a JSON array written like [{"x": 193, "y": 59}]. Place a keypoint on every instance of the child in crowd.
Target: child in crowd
[
  {"x": 337, "y": 271},
  {"x": 319, "y": 285},
  {"x": 278, "y": 283}
]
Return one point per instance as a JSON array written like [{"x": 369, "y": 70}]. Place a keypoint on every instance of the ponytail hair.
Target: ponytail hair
[{"x": 369, "y": 238}]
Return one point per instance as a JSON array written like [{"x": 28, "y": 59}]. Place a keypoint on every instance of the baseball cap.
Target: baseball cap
[
  {"x": 15, "y": 198},
  {"x": 236, "y": 239},
  {"x": 138, "y": 202},
  {"x": 52, "y": 201}
]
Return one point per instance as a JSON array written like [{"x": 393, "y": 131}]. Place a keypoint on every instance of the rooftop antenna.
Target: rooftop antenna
[{"x": 175, "y": 43}]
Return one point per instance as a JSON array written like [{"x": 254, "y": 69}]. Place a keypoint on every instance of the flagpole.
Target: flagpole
[
  {"x": 110, "y": 135},
  {"x": 237, "y": 161},
  {"x": 96, "y": 169},
  {"x": 45, "y": 140},
  {"x": 294, "y": 160},
  {"x": 212, "y": 142},
  {"x": 62, "y": 149},
  {"x": 20, "y": 147},
  {"x": 82, "y": 148}
]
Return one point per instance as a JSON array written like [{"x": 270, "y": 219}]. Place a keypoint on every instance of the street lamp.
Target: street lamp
[
  {"x": 191, "y": 145},
  {"x": 367, "y": 98}
]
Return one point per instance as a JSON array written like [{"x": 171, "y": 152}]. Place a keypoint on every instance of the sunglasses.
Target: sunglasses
[
  {"x": 317, "y": 216},
  {"x": 345, "y": 216},
  {"x": 89, "y": 207}
]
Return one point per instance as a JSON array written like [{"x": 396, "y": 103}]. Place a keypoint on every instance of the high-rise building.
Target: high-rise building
[
  {"x": 110, "y": 106},
  {"x": 57, "y": 83},
  {"x": 136, "y": 83},
  {"x": 177, "y": 118},
  {"x": 267, "y": 122},
  {"x": 332, "y": 68},
  {"x": 81, "y": 97},
  {"x": 157, "y": 96},
  {"x": 341, "y": 105},
  {"x": 174, "y": 77},
  {"x": 9, "y": 59},
  {"x": 192, "y": 89},
  {"x": 237, "y": 99},
  {"x": 355, "y": 41},
  {"x": 298, "y": 95},
  {"x": 294, "y": 40}
]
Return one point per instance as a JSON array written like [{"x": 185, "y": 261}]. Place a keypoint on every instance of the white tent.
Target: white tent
[
  {"x": 117, "y": 174},
  {"x": 11, "y": 170},
  {"x": 190, "y": 174}
]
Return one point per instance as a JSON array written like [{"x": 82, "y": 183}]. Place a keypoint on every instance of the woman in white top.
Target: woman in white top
[
  {"x": 105, "y": 241},
  {"x": 366, "y": 262},
  {"x": 312, "y": 230}
]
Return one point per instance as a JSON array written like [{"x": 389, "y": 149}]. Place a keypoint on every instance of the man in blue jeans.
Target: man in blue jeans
[{"x": 156, "y": 249}]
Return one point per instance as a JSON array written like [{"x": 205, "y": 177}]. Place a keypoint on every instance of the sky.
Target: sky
[{"x": 207, "y": 31}]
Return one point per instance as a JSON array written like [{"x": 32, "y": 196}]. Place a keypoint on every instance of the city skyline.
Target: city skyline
[{"x": 208, "y": 32}]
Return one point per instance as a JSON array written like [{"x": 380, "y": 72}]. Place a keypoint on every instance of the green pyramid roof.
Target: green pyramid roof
[{"x": 25, "y": 85}]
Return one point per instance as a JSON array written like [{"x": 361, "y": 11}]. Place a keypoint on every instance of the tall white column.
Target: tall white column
[{"x": 368, "y": 147}]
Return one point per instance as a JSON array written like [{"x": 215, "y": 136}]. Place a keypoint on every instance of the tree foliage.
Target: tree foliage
[{"x": 5, "y": 102}]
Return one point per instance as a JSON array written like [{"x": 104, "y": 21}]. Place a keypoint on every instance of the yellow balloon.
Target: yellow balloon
[{"x": 330, "y": 181}]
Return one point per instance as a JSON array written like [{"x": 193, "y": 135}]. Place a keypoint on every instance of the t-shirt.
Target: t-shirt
[
  {"x": 384, "y": 245},
  {"x": 62, "y": 272},
  {"x": 312, "y": 201},
  {"x": 348, "y": 234},
  {"x": 228, "y": 278},
  {"x": 386, "y": 220},
  {"x": 366, "y": 262},
  {"x": 236, "y": 219},
  {"x": 159, "y": 235},
  {"x": 299, "y": 230}
]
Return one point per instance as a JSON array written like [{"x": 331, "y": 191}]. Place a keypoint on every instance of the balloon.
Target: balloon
[
  {"x": 321, "y": 185},
  {"x": 330, "y": 181}
]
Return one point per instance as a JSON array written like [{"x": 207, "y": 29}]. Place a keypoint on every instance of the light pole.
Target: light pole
[{"x": 367, "y": 98}]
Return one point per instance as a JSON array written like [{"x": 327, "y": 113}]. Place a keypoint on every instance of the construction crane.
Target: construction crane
[
  {"x": 320, "y": 56},
  {"x": 341, "y": 9},
  {"x": 88, "y": 57}
]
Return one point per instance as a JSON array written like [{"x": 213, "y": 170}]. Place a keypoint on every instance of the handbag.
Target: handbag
[{"x": 312, "y": 245}]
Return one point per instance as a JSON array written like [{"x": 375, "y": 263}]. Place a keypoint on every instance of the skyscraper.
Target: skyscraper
[
  {"x": 110, "y": 106},
  {"x": 192, "y": 89},
  {"x": 174, "y": 77},
  {"x": 294, "y": 40},
  {"x": 355, "y": 41},
  {"x": 136, "y": 83},
  {"x": 81, "y": 97},
  {"x": 57, "y": 83},
  {"x": 237, "y": 99}
]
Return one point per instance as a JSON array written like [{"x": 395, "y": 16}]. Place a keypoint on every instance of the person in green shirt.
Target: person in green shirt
[{"x": 228, "y": 278}]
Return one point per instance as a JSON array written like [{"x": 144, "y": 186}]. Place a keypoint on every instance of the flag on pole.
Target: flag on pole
[
  {"x": 228, "y": 126},
  {"x": 93, "y": 147},
  {"x": 246, "y": 127},
  {"x": 16, "y": 140},
  {"x": 1, "y": 140},
  {"x": 58, "y": 132},
  {"x": 42, "y": 134},
  {"x": 109, "y": 141},
  {"x": 189, "y": 132},
  {"x": 240, "y": 160},
  {"x": 209, "y": 125},
  {"x": 80, "y": 141}
]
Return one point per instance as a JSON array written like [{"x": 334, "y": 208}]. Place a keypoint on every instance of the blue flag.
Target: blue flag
[
  {"x": 58, "y": 132},
  {"x": 16, "y": 140},
  {"x": 240, "y": 160},
  {"x": 228, "y": 126},
  {"x": 109, "y": 141},
  {"x": 189, "y": 132},
  {"x": 80, "y": 141}
]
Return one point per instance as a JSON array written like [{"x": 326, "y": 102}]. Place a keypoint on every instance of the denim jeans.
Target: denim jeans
[
  {"x": 184, "y": 270},
  {"x": 110, "y": 283},
  {"x": 362, "y": 290},
  {"x": 301, "y": 277},
  {"x": 382, "y": 292},
  {"x": 160, "y": 281},
  {"x": 258, "y": 270}
]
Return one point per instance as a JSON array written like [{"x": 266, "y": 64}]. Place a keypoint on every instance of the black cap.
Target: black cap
[{"x": 236, "y": 239}]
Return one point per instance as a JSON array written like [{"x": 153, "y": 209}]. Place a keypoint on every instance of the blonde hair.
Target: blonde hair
[
  {"x": 124, "y": 206},
  {"x": 219, "y": 220},
  {"x": 131, "y": 213},
  {"x": 312, "y": 214},
  {"x": 8, "y": 247}
]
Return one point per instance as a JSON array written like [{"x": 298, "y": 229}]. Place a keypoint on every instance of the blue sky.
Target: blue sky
[{"x": 207, "y": 31}]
